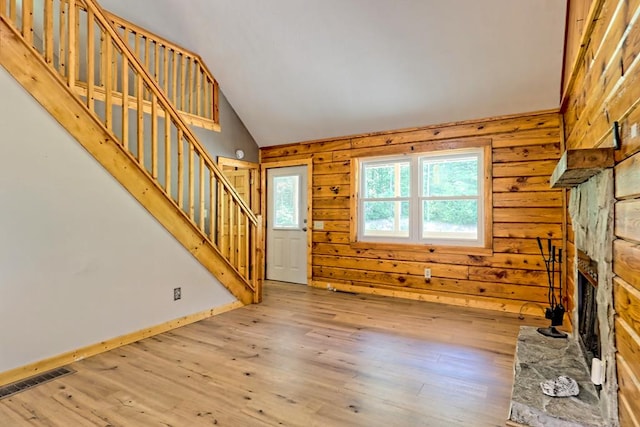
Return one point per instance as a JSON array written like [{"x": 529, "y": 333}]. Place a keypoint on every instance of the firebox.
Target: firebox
[{"x": 588, "y": 327}]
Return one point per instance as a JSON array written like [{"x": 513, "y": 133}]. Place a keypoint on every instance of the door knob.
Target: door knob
[{"x": 304, "y": 228}]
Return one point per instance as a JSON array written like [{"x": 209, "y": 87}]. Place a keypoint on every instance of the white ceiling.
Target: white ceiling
[{"x": 298, "y": 70}]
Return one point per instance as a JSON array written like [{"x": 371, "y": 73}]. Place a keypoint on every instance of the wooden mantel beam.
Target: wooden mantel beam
[{"x": 577, "y": 166}]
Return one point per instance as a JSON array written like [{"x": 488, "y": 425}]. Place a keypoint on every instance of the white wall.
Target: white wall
[
  {"x": 80, "y": 260},
  {"x": 233, "y": 135}
]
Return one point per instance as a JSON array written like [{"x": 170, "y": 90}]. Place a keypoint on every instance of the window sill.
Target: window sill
[{"x": 465, "y": 250}]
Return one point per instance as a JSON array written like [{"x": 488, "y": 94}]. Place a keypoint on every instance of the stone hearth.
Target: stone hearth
[{"x": 539, "y": 358}]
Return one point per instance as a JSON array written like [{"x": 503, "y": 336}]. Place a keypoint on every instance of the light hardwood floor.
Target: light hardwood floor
[{"x": 304, "y": 357}]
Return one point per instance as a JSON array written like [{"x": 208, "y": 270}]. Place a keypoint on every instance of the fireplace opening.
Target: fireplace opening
[{"x": 588, "y": 327}]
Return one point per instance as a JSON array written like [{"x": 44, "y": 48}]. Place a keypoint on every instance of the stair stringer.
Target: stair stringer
[{"x": 46, "y": 86}]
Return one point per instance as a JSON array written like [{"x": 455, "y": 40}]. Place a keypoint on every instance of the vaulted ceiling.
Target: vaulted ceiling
[{"x": 297, "y": 70}]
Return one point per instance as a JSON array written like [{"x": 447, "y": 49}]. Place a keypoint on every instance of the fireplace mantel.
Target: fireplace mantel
[{"x": 577, "y": 166}]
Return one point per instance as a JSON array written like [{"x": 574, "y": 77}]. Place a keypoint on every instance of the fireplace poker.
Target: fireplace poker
[
  {"x": 555, "y": 312},
  {"x": 546, "y": 265},
  {"x": 560, "y": 270}
]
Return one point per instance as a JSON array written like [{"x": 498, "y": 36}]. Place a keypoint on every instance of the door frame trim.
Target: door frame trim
[
  {"x": 254, "y": 173},
  {"x": 308, "y": 162}
]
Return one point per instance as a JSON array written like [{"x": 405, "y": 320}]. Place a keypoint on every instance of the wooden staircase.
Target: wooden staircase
[{"x": 120, "y": 104}]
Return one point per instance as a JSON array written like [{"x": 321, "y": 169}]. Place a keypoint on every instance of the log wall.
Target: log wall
[
  {"x": 605, "y": 88},
  {"x": 525, "y": 149}
]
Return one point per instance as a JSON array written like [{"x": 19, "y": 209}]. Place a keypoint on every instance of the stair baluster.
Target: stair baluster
[{"x": 96, "y": 62}]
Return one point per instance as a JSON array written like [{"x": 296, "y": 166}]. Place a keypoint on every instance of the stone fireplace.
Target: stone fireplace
[
  {"x": 539, "y": 358},
  {"x": 591, "y": 208}
]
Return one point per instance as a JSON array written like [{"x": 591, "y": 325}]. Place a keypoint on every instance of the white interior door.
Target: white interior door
[{"x": 287, "y": 224}]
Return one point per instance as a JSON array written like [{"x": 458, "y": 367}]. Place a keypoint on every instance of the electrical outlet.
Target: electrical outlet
[
  {"x": 427, "y": 273},
  {"x": 177, "y": 294}
]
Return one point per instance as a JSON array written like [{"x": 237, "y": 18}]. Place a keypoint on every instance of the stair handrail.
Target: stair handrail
[
  {"x": 128, "y": 25},
  {"x": 167, "y": 104},
  {"x": 115, "y": 45}
]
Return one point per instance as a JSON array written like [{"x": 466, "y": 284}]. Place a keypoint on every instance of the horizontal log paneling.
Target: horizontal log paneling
[
  {"x": 623, "y": 63},
  {"x": 608, "y": 86},
  {"x": 331, "y": 190},
  {"x": 526, "y": 153},
  {"x": 463, "y": 287},
  {"x": 331, "y": 214},
  {"x": 414, "y": 147},
  {"x": 626, "y": 261},
  {"x": 598, "y": 74},
  {"x": 576, "y": 25},
  {"x": 627, "y": 303},
  {"x": 330, "y": 237},
  {"x": 631, "y": 140},
  {"x": 315, "y": 158},
  {"x": 488, "y": 127},
  {"x": 322, "y": 147},
  {"x": 539, "y": 199},
  {"x": 519, "y": 246},
  {"x": 334, "y": 179},
  {"x": 335, "y": 226},
  {"x": 527, "y": 230},
  {"x": 628, "y": 417},
  {"x": 329, "y": 168},
  {"x": 534, "y": 215},
  {"x": 522, "y": 183},
  {"x": 533, "y": 168},
  {"x": 525, "y": 150},
  {"x": 628, "y": 344},
  {"x": 449, "y": 271},
  {"x": 592, "y": 66},
  {"x": 526, "y": 137},
  {"x": 503, "y": 260},
  {"x": 627, "y": 221},
  {"x": 331, "y": 202},
  {"x": 630, "y": 389},
  {"x": 627, "y": 178},
  {"x": 508, "y": 275}
]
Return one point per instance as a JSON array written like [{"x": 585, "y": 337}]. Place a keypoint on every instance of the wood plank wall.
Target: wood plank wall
[
  {"x": 576, "y": 24},
  {"x": 526, "y": 148},
  {"x": 606, "y": 88}
]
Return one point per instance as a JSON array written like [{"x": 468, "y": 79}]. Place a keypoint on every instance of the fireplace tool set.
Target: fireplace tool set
[{"x": 555, "y": 311}]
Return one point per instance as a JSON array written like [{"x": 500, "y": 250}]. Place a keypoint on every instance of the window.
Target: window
[
  {"x": 285, "y": 203},
  {"x": 435, "y": 198}
]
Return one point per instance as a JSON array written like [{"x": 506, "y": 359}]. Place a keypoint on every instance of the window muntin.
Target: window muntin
[{"x": 434, "y": 197}]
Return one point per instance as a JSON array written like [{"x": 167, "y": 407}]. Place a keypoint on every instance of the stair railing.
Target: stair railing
[
  {"x": 77, "y": 39},
  {"x": 181, "y": 74}
]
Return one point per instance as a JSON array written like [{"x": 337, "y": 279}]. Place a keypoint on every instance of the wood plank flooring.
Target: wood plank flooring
[{"x": 304, "y": 357}]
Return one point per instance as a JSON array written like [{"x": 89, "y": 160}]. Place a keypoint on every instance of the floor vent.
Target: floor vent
[{"x": 17, "y": 387}]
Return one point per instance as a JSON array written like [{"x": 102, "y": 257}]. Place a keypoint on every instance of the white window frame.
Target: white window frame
[
  {"x": 381, "y": 234},
  {"x": 416, "y": 198}
]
